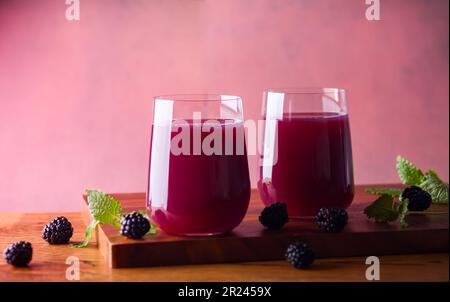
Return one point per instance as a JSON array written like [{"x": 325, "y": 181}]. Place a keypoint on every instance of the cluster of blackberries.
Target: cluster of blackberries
[
  {"x": 419, "y": 200},
  {"x": 19, "y": 253},
  {"x": 58, "y": 231},
  {"x": 300, "y": 255},
  {"x": 332, "y": 220},
  {"x": 274, "y": 216},
  {"x": 134, "y": 225}
]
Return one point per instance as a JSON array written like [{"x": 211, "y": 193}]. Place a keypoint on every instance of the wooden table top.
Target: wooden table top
[{"x": 49, "y": 262}]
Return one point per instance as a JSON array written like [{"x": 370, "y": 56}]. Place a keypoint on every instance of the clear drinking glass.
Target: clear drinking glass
[
  {"x": 307, "y": 153},
  {"x": 199, "y": 181}
]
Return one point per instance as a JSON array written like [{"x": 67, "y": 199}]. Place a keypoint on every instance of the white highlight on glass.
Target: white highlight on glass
[
  {"x": 159, "y": 163},
  {"x": 275, "y": 102}
]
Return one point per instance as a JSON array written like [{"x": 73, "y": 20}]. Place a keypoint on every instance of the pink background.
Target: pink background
[{"x": 75, "y": 97}]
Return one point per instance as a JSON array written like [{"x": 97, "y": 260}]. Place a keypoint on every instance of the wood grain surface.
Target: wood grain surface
[
  {"x": 48, "y": 262},
  {"x": 251, "y": 242}
]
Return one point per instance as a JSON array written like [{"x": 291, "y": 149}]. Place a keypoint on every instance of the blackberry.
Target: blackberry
[
  {"x": 332, "y": 220},
  {"x": 274, "y": 216},
  {"x": 419, "y": 200},
  {"x": 19, "y": 253},
  {"x": 300, "y": 255},
  {"x": 134, "y": 225},
  {"x": 58, "y": 231}
]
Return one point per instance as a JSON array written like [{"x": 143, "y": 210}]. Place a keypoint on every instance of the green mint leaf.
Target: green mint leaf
[
  {"x": 103, "y": 207},
  {"x": 435, "y": 187},
  {"x": 90, "y": 229},
  {"x": 403, "y": 211},
  {"x": 383, "y": 209},
  {"x": 408, "y": 173},
  {"x": 394, "y": 192}
]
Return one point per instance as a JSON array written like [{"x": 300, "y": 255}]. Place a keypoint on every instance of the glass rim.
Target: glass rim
[
  {"x": 197, "y": 97},
  {"x": 306, "y": 90}
]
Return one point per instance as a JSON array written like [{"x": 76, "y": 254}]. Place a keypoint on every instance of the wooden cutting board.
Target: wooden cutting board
[{"x": 251, "y": 242}]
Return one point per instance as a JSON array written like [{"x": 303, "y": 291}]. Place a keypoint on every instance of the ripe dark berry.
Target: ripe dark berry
[
  {"x": 274, "y": 216},
  {"x": 19, "y": 253},
  {"x": 419, "y": 200},
  {"x": 300, "y": 255},
  {"x": 134, "y": 225},
  {"x": 332, "y": 220},
  {"x": 58, "y": 231}
]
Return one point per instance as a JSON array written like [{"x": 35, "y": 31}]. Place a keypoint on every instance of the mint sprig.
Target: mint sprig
[
  {"x": 408, "y": 173},
  {"x": 386, "y": 208},
  {"x": 104, "y": 209}
]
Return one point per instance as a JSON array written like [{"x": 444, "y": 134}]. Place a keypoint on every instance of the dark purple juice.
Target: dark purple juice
[
  {"x": 314, "y": 164},
  {"x": 204, "y": 194}
]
